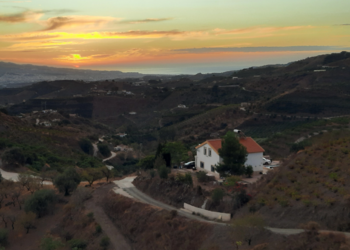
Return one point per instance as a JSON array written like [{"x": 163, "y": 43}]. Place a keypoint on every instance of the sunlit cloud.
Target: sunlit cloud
[
  {"x": 24, "y": 16},
  {"x": 55, "y": 23}
]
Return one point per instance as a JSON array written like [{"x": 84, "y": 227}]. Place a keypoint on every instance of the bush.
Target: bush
[
  {"x": 40, "y": 202},
  {"x": 77, "y": 244},
  {"x": 249, "y": 171},
  {"x": 147, "y": 162},
  {"x": 104, "y": 242},
  {"x": 186, "y": 179},
  {"x": 3, "y": 236},
  {"x": 98, "y": 229},
  {"x": 86, "y": 146},
  {"x": 14, "y": 156},
  {"x": 104, "y": 150},
  {"x": 217, "y": 195},
  {"x": 50, "y": 243},
  {"x": 163, "y": 172}
]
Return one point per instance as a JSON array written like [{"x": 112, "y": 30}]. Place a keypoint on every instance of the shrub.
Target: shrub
[
  {"x": 86, "y": 146},
  {"x": 14, "y": 156},
  {"x": 152, "y": 173},
  {"x": 90, "y": 215},
  {"x": 163, "y": 172},
  {"x": 77, "y": 244},
  {"x": 50, "y": 243},
  {"x": 40, "y": 202},
  {"x": 3, "y": 236},
  {"x": 217, "y": 195},
  {"x": 231, "y": 181},
  {"x": 98, "y": 229},
  {"x": 104, "y": 150},
  {"x": 105, "y": 241},
  {"x": 147, "y": 162}
]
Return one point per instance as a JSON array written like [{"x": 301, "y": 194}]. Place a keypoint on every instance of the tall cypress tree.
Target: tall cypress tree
[{"x": 233, "y": 154}]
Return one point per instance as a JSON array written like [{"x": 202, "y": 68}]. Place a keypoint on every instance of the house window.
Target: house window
[
  {"x": 212, "y": 168},
  {"x": 205, "y": 151},
  {"x": 209, "y": 152},
  {"x": 202, "y": 164}
]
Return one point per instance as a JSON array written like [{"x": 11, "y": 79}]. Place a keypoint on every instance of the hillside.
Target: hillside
[{"x": 311, "y": 185}]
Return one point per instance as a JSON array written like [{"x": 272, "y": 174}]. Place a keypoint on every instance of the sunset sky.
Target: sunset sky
[{"x": 160, "y": 36}]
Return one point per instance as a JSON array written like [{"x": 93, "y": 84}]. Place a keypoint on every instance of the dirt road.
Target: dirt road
[{"x": 118, "y": 242}]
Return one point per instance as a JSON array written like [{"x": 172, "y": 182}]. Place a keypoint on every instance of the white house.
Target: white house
[{"x": 208, "y": 154}]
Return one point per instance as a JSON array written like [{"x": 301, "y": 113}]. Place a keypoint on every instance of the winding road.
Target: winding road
[{"x": 127, "y": 188}]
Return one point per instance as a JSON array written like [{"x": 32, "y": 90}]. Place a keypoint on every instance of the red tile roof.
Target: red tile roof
[{"x": 251, "y": 145}]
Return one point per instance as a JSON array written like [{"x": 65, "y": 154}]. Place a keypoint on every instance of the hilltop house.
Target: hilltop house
[{"x": 208, "y": 154}]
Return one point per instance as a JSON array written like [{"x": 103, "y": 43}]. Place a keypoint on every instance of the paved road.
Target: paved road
[
  {"x": 127, "y": 186},
  {"x": 111, "y": 157}
]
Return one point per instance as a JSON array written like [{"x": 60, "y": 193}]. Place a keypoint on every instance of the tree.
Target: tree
[
  {"x": 246, "y": 228},
  {"x": 92, "y": 175},
  {"x": 12, "y": 217},
  {"x": 68, "y": 181},
  {"x": 234, "y": 156},
  {"x": 104, "y": 150},
  {"x": 249, "y": 171},
  {"x": 86, "y": 145},
  {"x": 50, "y": 243},
  {"x": 14, "y": 157},
  {"x": 177, "y": 151},
  {"x": 3, "y": 216},
  {"x": 147, "y": 162},
  {"x": 27, "y": 220},
  {"x": 40, "y": 202},
  {"x": 15, "y": 194},
  {"x": 106, "y": 172}
]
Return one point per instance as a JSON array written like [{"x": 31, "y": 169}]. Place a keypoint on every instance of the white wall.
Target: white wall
[
  {"x": 209, "y": 214},
  {"x": 206, "y": 159},
  {"x": 255, "y": 160}
]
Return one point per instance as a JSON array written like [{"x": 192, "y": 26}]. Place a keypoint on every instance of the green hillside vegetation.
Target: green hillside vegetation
[
  {"x": 315, "y": 179},
  {"x": 280, "y": 144}
]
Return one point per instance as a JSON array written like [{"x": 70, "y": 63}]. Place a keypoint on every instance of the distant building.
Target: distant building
[
  {"x": 132, "y": 113},
  {"x": 121, "y": 135},
  {"x": 182, "y": 106}
]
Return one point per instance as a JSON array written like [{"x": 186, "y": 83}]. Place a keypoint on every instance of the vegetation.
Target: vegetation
[
  {"x": 217, "y": 195},
  {"x": 86, "y": 145},
  {"x": 247, "y": 228},
  {"x": 68, "y": 181},
  {"x": 233, "y": 154},
  {"x": 50, "y": 243},
  {"x": 249, "y": 171},
  {"x": 40, "y": 202},
  {"x": 104, "y": 150},
  {"x": 3, "y": 237},
  {"x": 163, "y": 172}
]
